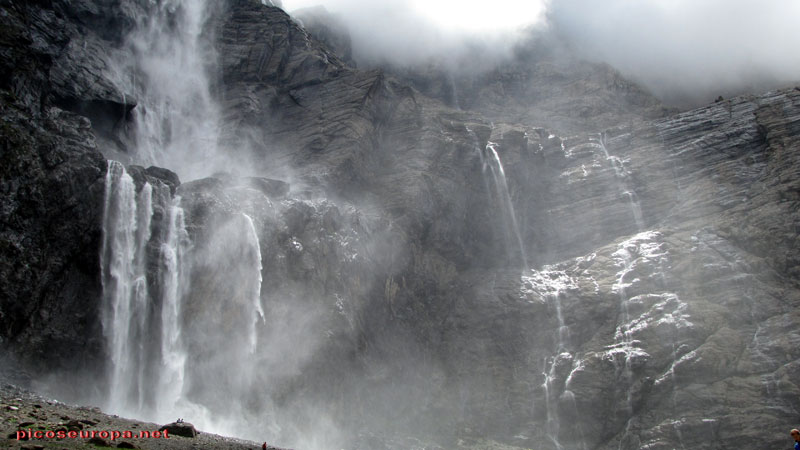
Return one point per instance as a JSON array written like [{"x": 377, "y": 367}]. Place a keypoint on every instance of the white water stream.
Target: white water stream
[
  {"x": 133, "y": 295},
  {"x": 149, "y": 264},
  {"x": 494, "y": 176},
  {"x": 623, "y": 175},
  {"x": 504, "y": 196}
]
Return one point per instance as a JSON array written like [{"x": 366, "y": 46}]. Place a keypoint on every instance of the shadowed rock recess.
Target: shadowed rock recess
[{"x": 395, "y": 269}]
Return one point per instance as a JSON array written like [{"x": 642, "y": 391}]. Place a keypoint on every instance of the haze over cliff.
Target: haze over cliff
[
  {"x": 687, "y": 53},
  {"x": 291, "y": 229}
]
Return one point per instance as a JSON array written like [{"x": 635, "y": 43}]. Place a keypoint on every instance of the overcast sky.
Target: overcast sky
[
  {"x": 678, "y": 48},
  {"x": 469, "y": 15}
]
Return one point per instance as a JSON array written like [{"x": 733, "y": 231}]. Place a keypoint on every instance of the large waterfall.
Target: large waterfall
[
  {"x": 155, "y": 280},
  {"x": 144, "y": 264},
  {"x": 177, "y": 122},
  {"x": 124, "y": 284}
]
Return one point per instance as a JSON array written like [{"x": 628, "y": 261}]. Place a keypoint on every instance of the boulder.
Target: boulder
[{"x": 184, "y": 429}]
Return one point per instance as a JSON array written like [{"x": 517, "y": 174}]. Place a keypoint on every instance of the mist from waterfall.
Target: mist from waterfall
[
  {"x": 177, "y": 121},
  {"x": 163, "y": 293}
]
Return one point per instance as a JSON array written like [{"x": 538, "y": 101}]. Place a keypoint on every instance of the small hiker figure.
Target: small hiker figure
[
  {"x": 796, "y": 436},
  {"x": 264, "y": 446}
]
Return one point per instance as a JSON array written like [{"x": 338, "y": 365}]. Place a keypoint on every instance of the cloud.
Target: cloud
[
  {"x": 410, "y": 32},
  {"x": 687, "y": 50},
  {"x": 684, "y": 51}
]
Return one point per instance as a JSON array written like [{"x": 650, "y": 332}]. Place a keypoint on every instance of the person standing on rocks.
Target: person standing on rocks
[{"x": 796, "y": 436}]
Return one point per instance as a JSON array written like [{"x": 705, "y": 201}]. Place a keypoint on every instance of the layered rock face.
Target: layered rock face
[
  {"x": 52, "y": 178},
  {"x": 657, "y": 328},
  {"x": 452, "y": 271}
]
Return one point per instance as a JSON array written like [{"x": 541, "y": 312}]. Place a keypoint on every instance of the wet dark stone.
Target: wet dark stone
[{"x": 184, "y": 429}]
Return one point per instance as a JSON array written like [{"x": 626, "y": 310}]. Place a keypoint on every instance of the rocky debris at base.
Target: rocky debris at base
[{"x": 22, "y": 410}]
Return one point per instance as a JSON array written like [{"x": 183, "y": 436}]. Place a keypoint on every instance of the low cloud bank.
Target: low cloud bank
[{"x": 685, "y": 51}]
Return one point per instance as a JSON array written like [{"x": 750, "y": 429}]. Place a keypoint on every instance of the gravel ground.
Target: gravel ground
[{"x": 23, "y": 410}]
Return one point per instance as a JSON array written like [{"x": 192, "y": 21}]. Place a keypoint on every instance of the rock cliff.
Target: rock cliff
[{"x": 559, "y": 271}]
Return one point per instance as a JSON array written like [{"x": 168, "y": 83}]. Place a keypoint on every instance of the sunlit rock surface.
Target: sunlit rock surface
[{"x": 658, "y": 309}]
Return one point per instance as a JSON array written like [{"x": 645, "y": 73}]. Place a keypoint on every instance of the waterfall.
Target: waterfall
[
  {"x": 176, "y": 118},
  {"x": 174, "y": 275},
  {"x": 130, "y": 307},
  {"x": 140, "y": 292},
  {"x": 626, "y": 190},
  {"x": 477, "y": 148},
  {"x": 501, "y": 185},
  {"x": 177, "y": 315},
  {"x": 504, "y": 196},
  {"x": 119, "y": 278},
  {"x": 126, "y": 231},
  {"x": 638, "y": 258},
  {"x": 495, "y": 175},
  {"x": 623, "y": 338},
  {"x": 550, "y": 284},
  {"x": 255, "y": 295}
]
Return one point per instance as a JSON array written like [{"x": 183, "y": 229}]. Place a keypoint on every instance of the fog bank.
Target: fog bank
[{"x": 685, "y": 52}]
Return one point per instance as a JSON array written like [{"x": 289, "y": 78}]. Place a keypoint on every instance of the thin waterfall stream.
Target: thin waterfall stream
[
  {"x": 504, "y": 195},
  {"x": 622, "y": 175},
  {"x": 494, "y": 175}
]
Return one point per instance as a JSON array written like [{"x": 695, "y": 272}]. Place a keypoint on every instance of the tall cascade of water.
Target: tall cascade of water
[
  {"x": 174, "y": 273},
  {"x": 177, "y": 120},
  {"x": 132, "y": 293},
  {"x": 504, "y": 195},
  {"x": 255, "y": 295},
  {"x": 177, "y": 314},
  {"x": 495, "y": 174},
  {"x": 123, "y": 279}
]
